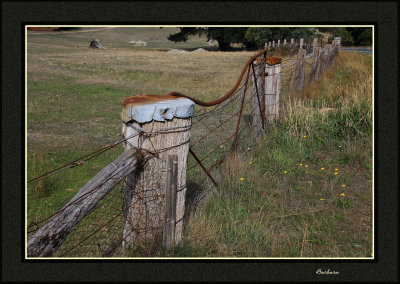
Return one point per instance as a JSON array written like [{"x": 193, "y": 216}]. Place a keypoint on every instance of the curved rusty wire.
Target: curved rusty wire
[{"x": 227, "y": 95}]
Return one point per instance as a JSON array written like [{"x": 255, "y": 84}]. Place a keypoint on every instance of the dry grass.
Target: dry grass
[{"x": 74, "y": 101}]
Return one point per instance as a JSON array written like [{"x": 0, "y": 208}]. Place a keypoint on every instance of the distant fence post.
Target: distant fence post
[
  {"x": 337, "y": 41},
  {"x": 159, "y": 125},
  {"x": 273, "y": 43},
  {"x": 299, "y": 72},
  {"x": 170, "y": 200},
  {"x": 315, "y": 44},
  {"x": 272, "y": 91},
  {"x": 315, "y": 64},
  {"x": 284, "y": 42},
  {"x": 291, "y": 41},
  {"x": 258, "y": 98},
  {"x": 279, "y": 42},
  {"x": 326, "y": 58},
  {"x": 266, "y": 46},
  {"x": 269, "y": 45},
  {"x": 301, "y": 43}
]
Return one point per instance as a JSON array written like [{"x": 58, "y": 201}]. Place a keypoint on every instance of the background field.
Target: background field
[{"x": 74, "y": 101}]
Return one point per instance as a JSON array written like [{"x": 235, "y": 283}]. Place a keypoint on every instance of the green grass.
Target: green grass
[{"x": 74, "y": 102}]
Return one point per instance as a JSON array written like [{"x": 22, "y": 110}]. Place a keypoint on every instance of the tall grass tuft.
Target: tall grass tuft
[{"x": 38, "y": 165}]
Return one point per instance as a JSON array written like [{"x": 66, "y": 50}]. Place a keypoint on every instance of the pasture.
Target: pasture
[{"x": 304, "y": 191}]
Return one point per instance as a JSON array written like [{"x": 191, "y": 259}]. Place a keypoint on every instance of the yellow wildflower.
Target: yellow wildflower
[
  {"x": 241, "y": 178},
  {"x": 336, "y": 173},
  {"x": 306, "y": 166},
  {"x": 300, "y": 164},
  {"x": 322, "y": 168},
  {"x": 250, "y": 163},
  {"x": 343, "y": 194},
  {"x": 343, "y": 185},
  {"x": 285, "y": 172}
]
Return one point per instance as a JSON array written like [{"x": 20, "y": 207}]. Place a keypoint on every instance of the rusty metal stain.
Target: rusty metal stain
[
  {"x": 143, "y": 99},
  {"x": 274, "y": 60}
]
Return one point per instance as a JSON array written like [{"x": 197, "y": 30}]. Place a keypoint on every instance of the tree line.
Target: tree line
[{"x": 255, "y": 37}]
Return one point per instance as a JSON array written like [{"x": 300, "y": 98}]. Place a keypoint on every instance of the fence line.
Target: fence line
[{"x": 150, "y": 203}]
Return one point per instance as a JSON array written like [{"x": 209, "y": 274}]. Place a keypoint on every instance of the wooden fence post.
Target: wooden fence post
[
  {"x": 161, "y": 126},
  {"x": 315, "y": 44},
  {"x": 279, "y": 42},
  {"x": 299, "y": 72},
  {"x": 269, "y": 45},
  {"x": 258, "y": 98},
  {"x": 272, "y": 91},
  {"x": 284, "y": 42},
  {"x": 315, "y": 65},
  {"x": 266, "y": 46},
  {"x": 301, "y": 43},
  {"x": 170, "y": 191},
  {"x": 273, "y": 43},
  {"x": 326, "y": 57},
  {"x": 337, "y": 40}
]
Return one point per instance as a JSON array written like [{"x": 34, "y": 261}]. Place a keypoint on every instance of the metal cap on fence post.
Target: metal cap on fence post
[{"x": 159, "y": 125}]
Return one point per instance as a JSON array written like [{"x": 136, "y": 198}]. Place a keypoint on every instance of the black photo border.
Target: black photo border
[{"x": 382, "y": 14}]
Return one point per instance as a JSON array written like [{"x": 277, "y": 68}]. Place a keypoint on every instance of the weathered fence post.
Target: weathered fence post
[
  {"x": 273, "y": 43},
  {"x": 301, "y": 43},
  {"x": 337, "y": 45},
  {"x": 284, "y": 42},
  {"x": 291, "y": 41},
  {"x": 315, "y": 44},
  {"x": 269, "y": 45},
  {"x": 326, "y": 57},
  {"x": 170, "y": 192},
  {"x": 159, "y": 125},
  {"x": 272, "y": 91},
  {"x": 266, "y": 46},
  {"x": 337, "y": 40},
  {"x": 279, "y": 42},
  {"x": 258, "y": 98},
  {"x": 299, "y": 72},
  {"x": 315, "y": 64}
]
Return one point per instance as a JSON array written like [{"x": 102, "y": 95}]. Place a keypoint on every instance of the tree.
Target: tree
[
  {"x": 361, "y": 36},
  {"x": 224, "y": 36},
  {"x": 346, "y": 37},
  {"x": 259, "y": 36}
]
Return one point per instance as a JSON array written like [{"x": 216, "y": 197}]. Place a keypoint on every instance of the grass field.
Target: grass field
[{"x": 290, "y": 202}]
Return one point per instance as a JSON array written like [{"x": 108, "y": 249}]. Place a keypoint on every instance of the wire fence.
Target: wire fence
[{"x": 98, "y": 221}]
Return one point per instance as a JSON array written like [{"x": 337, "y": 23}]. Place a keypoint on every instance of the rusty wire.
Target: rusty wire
[{"x": 83, "y": 242}]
